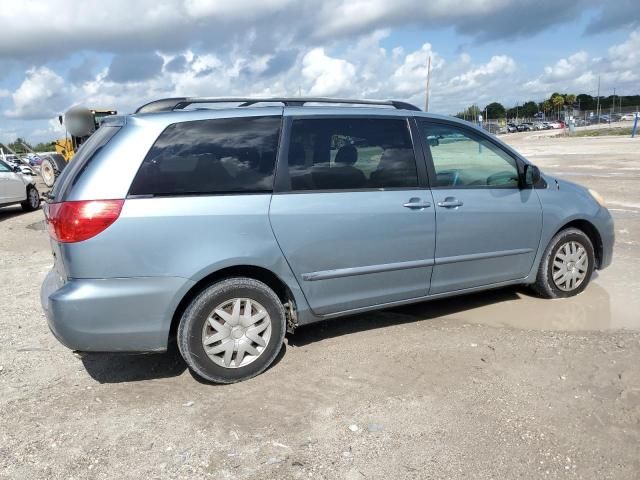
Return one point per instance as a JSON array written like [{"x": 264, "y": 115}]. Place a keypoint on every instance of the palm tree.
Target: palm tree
[
  {"x": 570, "y": 99},
  {"x": 557, "y": 101}
]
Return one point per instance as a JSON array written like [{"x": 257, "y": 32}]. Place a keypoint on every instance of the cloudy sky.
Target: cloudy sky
[{"x": 121, "y": 53}]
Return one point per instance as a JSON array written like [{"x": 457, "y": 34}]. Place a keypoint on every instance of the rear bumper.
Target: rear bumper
[{"x": 112, "y": 315}]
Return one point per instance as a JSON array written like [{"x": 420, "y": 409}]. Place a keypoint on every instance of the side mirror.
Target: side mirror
[
  {"x": 17, "y": 169},
  {"x": 531, "y": 175}
]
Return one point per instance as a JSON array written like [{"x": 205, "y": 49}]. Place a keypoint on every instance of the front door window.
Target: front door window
[{"x": 462, "y": 160}]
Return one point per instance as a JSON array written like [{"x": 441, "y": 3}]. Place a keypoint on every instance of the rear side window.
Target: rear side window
[
  {"x": 351, "y": 154},
  {"x": 87, "y": 151},
  {"x": 211, "y": 156}
]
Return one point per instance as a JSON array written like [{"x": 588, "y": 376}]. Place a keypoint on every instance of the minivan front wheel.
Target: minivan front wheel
[
  {"x": 232, "y": 331},
  {"x": 567, "y": 265}
]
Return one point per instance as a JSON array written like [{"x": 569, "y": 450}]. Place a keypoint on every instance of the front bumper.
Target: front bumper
[
  {"x": 112, "y": 315},
  {"x": 606, "y": 228}
]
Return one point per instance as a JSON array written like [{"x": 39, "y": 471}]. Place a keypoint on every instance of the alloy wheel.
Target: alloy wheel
[
  {"x": 236, "y": 332},
  {"x": 34, "y": 198},
  {"x": 570, "y": 266}
]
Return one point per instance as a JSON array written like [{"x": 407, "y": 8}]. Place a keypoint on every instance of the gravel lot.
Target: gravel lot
[{"x": 494, "y": 385}]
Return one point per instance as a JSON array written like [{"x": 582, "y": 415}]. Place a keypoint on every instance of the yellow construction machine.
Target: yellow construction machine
[{"x": 80, "y": 123}]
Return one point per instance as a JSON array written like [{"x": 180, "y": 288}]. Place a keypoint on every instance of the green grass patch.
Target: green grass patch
[{"x": 602, "y": 132}]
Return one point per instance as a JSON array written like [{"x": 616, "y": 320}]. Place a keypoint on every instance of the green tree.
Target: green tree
[
  {"x": 18, "y": 145},
  {"x": 44, "y": 147},
  {"x": 495, "y": 110},
  {"x": 557, "y": 101},
  {"x": 529, "y": 109},
  {"x": 586, "y": 102},
  {"x": 570, "y": 99},
  {"x": 470, "y": 113}
]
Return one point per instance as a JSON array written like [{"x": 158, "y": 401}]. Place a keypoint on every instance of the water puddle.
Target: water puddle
[{"x": 518, "y": 308}]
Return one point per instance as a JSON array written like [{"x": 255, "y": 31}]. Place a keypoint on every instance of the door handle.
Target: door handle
[
  {"x": 450, "y": 202},
  {"x": 416, "y": 203}
]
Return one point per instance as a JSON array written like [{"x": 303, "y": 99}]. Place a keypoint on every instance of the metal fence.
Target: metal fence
[{"x": 604, "y": 117}]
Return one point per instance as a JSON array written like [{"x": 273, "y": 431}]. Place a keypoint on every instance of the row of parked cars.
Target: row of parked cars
[
  {"x": 556, "y": 124},
  {"x": 614, "y": 117},
  {"x": 530, "y": 126}
]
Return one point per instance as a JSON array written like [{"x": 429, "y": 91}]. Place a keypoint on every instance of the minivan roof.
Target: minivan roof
[
  {"x": 169, "y": 110},
  {"x": 172, "y": 116},
  {"x": 179, "y": 103}
]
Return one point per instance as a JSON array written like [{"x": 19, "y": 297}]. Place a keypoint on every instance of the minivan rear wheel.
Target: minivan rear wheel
[
  {"x": 566, "y": 266},
  {"x": 232, "y": 331}
]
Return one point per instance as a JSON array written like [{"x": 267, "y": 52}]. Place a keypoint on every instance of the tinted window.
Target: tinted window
[
  {"x": 351, "y": 153},
  {"x": 211, "y": 156},
  {"x": 87, "y": 151},
  {"x": 4, "y": 167},
  {"x": 463, "y": 160}
]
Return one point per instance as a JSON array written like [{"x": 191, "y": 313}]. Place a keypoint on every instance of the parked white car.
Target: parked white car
[
  {"x": 16, "y": 187},
  {"x": 630, "y": 116},
  {"x": 16, "y": 162}
]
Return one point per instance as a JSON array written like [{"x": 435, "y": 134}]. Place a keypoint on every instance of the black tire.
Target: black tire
[
  {"x": 33, "y": 199},
  {"x": 50, "y": 168},
  {"x": 192, "y": 324},
  {"x": 545, "y": 285}
]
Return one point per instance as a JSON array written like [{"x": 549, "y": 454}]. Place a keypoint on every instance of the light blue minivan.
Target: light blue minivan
[{"x": 227, "y": 226}]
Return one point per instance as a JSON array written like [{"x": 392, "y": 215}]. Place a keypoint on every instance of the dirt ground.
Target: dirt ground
[{"x": 493, "y": 385}]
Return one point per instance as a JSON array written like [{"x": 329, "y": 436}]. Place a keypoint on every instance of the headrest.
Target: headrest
[{"x": 347, "y": 155}]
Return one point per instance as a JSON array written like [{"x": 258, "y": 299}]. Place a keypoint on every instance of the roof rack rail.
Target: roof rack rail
[{"x": 177, "y": 103}]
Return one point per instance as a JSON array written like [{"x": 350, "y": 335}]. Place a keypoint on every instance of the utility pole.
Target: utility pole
[
  {"x": 426, "y": 103},
  {"x": 614, "y": 105},
  {"x": 598, "y": 102},
  {"x": 620, "y": 104}
]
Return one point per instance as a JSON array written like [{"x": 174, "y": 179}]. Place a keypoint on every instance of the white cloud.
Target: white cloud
[
  {"x": 619, "y": 68},
  {"x": 366, "y": 68},
  {"x": 42, "y": 93},
  {"x": 41, "y": 29},
  {"x": 328, "y": 75},
  {"x": 253, "y": 8},
  {"x": 7, "y": 136},
  {"x": 566, "y": 67},
  {"x": 410, "y": 77},
  {"x": 626, "y": 56},
  {"x": 53, "y": 130}
]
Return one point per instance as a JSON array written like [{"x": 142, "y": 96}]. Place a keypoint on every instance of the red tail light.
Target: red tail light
[{"x": 77, "y": 221}]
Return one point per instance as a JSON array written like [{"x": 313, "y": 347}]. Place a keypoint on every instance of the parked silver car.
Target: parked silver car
[
  {"x": 17, "y": 187},
  {"x": 227, "y": 227}
]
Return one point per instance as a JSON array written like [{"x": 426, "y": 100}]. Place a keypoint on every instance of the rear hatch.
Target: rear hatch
[{"x": 67, "y": 179}]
